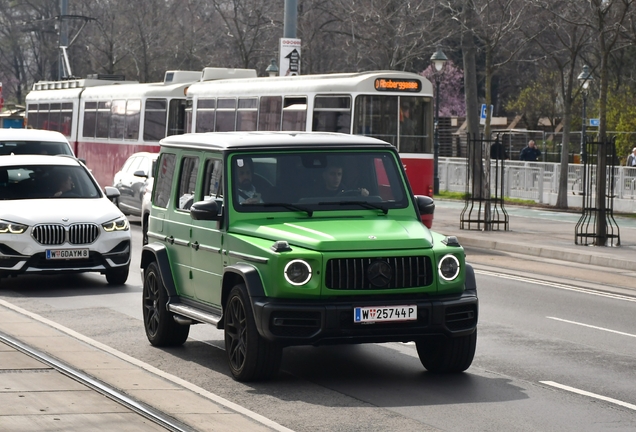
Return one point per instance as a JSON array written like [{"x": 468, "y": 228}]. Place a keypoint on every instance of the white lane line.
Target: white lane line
[
  {"x": 188, "y": 385},
  {"x": 558, "y": 285},
  {"x": 588, "y": 394},
  {"x": 593, "y": 327}
]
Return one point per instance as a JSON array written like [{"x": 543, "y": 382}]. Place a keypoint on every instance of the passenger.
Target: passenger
[
  {"x": 245, "y": 189},
  {"x": 332, "y": 184}
]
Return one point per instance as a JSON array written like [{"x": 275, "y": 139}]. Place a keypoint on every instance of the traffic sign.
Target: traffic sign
[
  {"x": 482, "y": 114},
  {"x": 289, "y": 57},
  {"x": 595, "y": 122}
]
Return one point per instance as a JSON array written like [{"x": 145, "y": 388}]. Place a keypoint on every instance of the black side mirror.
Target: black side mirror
[
  {"x": 205, "y": 210},
  {"x": 140, "y": 173},
  {"x": 425, "y": 204}
]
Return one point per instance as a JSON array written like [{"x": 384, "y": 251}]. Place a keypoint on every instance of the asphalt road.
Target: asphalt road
[{"x": 556, "y": 352}]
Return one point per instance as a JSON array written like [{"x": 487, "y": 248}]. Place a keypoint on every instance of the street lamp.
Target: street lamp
[
  {"x": 272, "y": 69},
  {"x": 585, "y": 78},
  {"x": 438, "y": 59}
]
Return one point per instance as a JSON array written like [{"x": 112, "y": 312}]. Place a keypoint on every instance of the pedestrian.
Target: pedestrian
[
  {"x": 631, "y": 159},
  {"x": 498, "y": 151},
  {"x": 530, "y": 152}
]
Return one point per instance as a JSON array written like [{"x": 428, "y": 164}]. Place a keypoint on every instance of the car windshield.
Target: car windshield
[
  {"x": 34, "y": 147},
  {"x": 316, "y": 181},
  {"x": 46, "y": 182}
]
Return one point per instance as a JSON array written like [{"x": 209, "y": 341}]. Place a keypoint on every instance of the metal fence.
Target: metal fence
[{"x": 539, "y": 181}]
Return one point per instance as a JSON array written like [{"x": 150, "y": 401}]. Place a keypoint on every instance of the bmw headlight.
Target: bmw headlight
[
  {"x": 448, "y": 267},
  {"x": 119, "y": 224},
  {"x": 7, "y": 227},
  {"x": 297, "y": 272}
]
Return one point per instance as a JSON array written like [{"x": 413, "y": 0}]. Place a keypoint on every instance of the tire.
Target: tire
[
  {"x": 447, "y": 355},
  {"x": 250, "y": 357},
  {"x": 118, "y": 275},
  {"x": 161, "y": 328}
]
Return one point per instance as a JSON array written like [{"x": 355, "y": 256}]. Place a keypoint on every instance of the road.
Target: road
[{"x": 556, "y": 351}]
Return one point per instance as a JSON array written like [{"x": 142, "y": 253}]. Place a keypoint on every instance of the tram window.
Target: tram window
[
  {"x": 295, "y": 114},
  {"x": 66, "y": 118},
  {"x": 103, "y": 119},
  {"x": 225, "y": 115},
  {"x": 155, "y": 119},
  {"x": 246, "y": 114},
  {"x": 205, "y": 115},
  {"x": 43, "y": 116},
  {"x": 413, "y": 133},
  {"x": 376, "y": 116},
  {"x": 90, "y": 119},
  {"x": 117, "y": 119},
  {"x": 332, "y": 114},
  {"x": 32, "y": 114},
  {"x": 133, "y": 117},
  {"x": 176, "y": 117},
  {"x": 270, "y": 113},
  {"x": 54, "y": 118}
]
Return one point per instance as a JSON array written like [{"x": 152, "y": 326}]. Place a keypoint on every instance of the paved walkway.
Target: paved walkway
[{"x": 36, "y": 397}]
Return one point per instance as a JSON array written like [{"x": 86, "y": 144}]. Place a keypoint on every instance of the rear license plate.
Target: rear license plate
[
  {"x": 372, "y": 314},
  {"x": 57, "y": 254}
]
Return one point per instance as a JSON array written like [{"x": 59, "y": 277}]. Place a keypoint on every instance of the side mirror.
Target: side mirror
[
  {"x": 140, "y": 173},
  {"x": 205, "y": 210},
  {"x": 426, "y": 206},
  {"x": 111, "y": 192}
]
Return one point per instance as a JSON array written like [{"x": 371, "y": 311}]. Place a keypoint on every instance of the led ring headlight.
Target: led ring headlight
[
  {"x": 297, "y": 272},
  {"x": 448, "y": 267}
]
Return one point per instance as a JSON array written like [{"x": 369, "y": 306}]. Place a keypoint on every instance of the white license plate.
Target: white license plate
[
  {"x": 57, "y": 254},
  {"x": 371, "y": 314}
]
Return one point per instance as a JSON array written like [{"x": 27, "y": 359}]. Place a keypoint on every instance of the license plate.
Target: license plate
[
  {"x": 372, "y": 314},
  {"x": 57, "y": 254}
]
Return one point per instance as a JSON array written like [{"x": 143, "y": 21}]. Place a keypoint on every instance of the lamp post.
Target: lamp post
[
  {"x": 272, "y": 69},
  {"x": 585, "y": 78},
  {"x": 439, "y": 60}
]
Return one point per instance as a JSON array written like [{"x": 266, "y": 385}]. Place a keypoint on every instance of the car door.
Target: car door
[
  {"x": 207, "y": 238},
  {"x": 126, "y": 199}
]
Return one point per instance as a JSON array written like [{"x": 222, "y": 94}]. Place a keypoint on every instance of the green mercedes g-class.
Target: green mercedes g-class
[{"x": 287, "y": 239}]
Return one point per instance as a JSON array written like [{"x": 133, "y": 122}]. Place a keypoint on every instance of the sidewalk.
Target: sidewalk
[
  {"x": 541, "y": 233},
  {"x": 36, "y": 397}
]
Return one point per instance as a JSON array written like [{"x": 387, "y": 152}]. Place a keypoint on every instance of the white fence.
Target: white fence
[{"x": 539, "y": 181}]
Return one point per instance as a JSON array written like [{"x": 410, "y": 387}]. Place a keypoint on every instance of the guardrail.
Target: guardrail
[{"x": 539, "y": 182}]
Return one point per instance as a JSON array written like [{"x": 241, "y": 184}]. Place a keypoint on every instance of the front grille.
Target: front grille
[
  {"x": 56, "y": 234},
  {"x": 353, "y": 273}
]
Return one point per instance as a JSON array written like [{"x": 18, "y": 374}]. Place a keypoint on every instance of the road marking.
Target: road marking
[
  {"x": 592, "y": 395},
  {"x": 593, "y": 327},
  {"x": 183, "y": 383},
  {"x": 559, "y": 286}
]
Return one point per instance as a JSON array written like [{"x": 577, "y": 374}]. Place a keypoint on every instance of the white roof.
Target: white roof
[
  {"x": 31, "y": 135},
  {"x": 18, "y": 160}
]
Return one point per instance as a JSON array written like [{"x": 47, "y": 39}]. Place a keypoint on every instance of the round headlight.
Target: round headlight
[
  {"x": 448, "y": 267},
  {"x": 297, "y": 272}
]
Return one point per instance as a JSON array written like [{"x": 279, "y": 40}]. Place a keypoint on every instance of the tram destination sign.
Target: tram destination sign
[{"x": 398, "y": 84}]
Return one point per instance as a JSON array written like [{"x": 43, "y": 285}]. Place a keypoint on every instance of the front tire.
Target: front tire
[
  {"x": 161, "y": 328},
  {"x": 447, "y": 355},
  {"x": 250, "y": 357},
  {"x": 118, "y": 275}
]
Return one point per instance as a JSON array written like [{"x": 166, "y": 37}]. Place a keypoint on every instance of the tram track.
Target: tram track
[{"x": 157, "y": 417}]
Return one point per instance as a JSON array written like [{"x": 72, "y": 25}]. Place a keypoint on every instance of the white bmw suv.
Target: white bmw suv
[{"x": 55, "y": 219}]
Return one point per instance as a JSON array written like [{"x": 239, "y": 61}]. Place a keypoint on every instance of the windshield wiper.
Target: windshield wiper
[
  {"x": 290, "y": 207},
  {"x": 364, "y": 204}
]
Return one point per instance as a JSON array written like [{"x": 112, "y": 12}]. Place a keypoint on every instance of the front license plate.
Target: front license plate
[
  {"x": 56, "y": 254},
  {"x": 371, "y": 314}
]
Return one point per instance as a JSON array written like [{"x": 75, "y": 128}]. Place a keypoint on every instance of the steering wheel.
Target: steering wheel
[{"x": 349, "y": 192}]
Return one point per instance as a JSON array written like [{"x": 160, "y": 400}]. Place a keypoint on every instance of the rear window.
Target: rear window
[{"x": 34, "y": 147}]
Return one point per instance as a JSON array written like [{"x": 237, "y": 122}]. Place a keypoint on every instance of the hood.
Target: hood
[
  {"x": 342, "y": 234},
  {"x": 59, "y": 210}
]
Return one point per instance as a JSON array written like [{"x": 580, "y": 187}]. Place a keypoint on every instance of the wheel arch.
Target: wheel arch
[
  {"x": 241, "y": 273},
  {"x": 470, "y": 283},
  {"x": 157, "y": 252}
]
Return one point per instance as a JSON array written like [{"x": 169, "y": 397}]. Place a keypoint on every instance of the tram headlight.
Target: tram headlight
[
  {"x": 448, "y": 267},
  {"x": 297, "y": 272}
]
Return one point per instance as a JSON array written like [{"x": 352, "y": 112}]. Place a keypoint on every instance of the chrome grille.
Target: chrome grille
[
  {"x": 56, "y": 234},
  {"x": 49, "y": 234},
  {"x": 352, "y": 273},
  {"x": 82, "y": 233}
]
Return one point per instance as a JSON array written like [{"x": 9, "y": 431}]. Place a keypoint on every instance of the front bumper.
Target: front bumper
[{"x": 294, "y": 322}]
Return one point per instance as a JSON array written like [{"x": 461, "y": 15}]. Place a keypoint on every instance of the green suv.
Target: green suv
[{"x": 285, "y": 239}]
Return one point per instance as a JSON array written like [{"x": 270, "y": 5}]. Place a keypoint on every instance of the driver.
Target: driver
[
  {"x": 64, "y": 185},
  {"x": 332, "y": 183}
]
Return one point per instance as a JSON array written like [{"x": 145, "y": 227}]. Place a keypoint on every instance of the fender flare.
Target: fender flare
[
  {"x": 470, "y": 283},
  {"x": 158, "y": 253}
]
